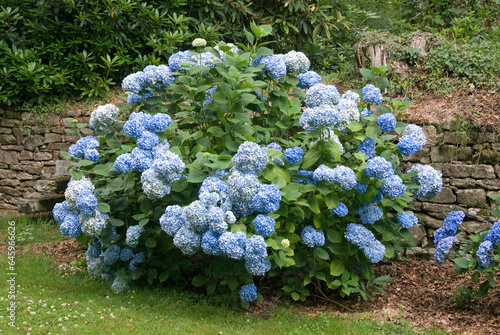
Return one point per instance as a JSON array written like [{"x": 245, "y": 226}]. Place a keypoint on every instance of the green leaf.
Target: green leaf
[
  {"x": 77, "y": 174},
  {"x": 462, "y": 262},
  {"x": 249, "y": 36},
  {"x": 164, "y": 276},
  {"x": 145, "y": 205},
  {"x": 196, "y": 176},
  {"x": 216, "y": 131},
  {"x": 372, "y": 131},
  {"x": 484, "y": 288},
  {"x": 199, "y": 280},
  {"x": 337, "y": 267},
  {"x": 310, "y": 158},
  {"x": 295, "y": 296},
  {"x": 314, "y": 205},
  {"x": 150, "y": 242},
  {"x": 382, "y": 109},
  {"x": 143, "y": 222},
  {"x": 116, "y": 222},
  {"x": 355, "y": 126},
  {"x": 322, "y": 253},
  {"x": 367, "y": 74},
  {"x": 103, "y": 207}
]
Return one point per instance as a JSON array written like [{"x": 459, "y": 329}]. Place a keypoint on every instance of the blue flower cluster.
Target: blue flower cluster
[
  {"x": 308, "y": 80},
  {"x": 319, "y": 117},
  {"x": 367, "y": 147},
  {"x": 485, "y": 251},
  {"x": 85, "y": 147},
  {"x": 250, "y": 158},
  {"x": 345, "y": 177},
  {"x": 274, "y": 66},
  {"x": 387, "y": 122},
  {"x": 138, "y": 85},
  {"x": 444, "y": 248},
  {"x": 367, "y": 112},
  {"x": 429, "y": 179},
  {"x": 369, "y": 213},
  {"x": 103, "y": 117},
  {"x": 407, "y": 219},
  {"x": 296, "y": 62},
  {"x": 264, "y": 225},
  {"x": 372, "y": 94},
  {"x": 449, "y": 227},
  {"x": 379, "y": 168},
  {"x": 294, "y": 154},
  {"x": 412, "y": 141},
  {"x": 347, "y": 111},
  {"x": 321, "y": 95},
  {"x": 363, "y": 238},
  {"x": 341, "y": 210},
  {"x": 144, "y": 127},
  {"x": 393, "y": 186},
  {"x": 351, "y": 95},
  {"x": 248, "y": 293},
  {"x": 312, "y": 237},
  {"x": 360, "y": 187},
  {"x": 133, "y": 235}
]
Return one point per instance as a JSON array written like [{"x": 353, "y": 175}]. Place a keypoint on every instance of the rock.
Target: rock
[
  {"x": 8, "y": 157},
  {"x": 440, "y": 211},
  {"x": 24, "y": 176},
  {"x": 33, "y": 142},
  {"x": 482, "y": 171},
  {"x": 472, "y": 198},
  {"x": 5, "y": 130},
  {"x": 428, "y": 221},
  {"x": 10, "y": 191},
  {"x": 489, "y": 184},
  {"x": 7, "y": 139},
  {"x": 58, "y": 146},
  {"x": 480, "y": 214},
  {"x": 9, "y": 182},
  {"x": 43, "y": 156},
  {"x": 25, "y": 155},
  {"x": 12, "y": 147},
  {"x": 493, "y": 203},
  {"x": 51, "y": 137},
  {"x": 48, "y": 172},
  {"x": 7, "y": 174},
  {"x": 497, "y": 170},
  {"x": 456, "y": 170},
  {"x": 9, "y": 123},
  {"x": 50, "y": 186},
  {"x": 446, "y": 196},
  {"x": 431, "y": 134},
  {"x": 62, "y": 168},
  {"x": 418, "y": 232},
  {"x": 39, "y": 205},
  {"x": 463, "y": 183}
]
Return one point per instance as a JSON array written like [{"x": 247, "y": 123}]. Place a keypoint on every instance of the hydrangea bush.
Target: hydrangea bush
[
  {"x": 479, "y": 252},
  {"x": 231, "y": 164}
]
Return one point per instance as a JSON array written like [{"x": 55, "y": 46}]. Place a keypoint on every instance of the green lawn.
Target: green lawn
[{"x": 51, "y": 302}]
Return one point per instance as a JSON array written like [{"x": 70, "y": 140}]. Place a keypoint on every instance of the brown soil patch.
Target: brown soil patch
[{"x": 62, "y": 252}]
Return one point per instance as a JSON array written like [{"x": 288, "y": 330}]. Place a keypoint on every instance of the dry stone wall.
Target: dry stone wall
[{"x": 31, "y": 167}]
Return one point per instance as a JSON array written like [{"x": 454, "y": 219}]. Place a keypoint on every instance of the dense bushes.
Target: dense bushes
[
  {"x": 54, "y": 47},
  {"x": 220, "y": 176}
]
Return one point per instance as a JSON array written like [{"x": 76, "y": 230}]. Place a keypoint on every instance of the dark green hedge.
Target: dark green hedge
[{"x": 50, "y": 48}]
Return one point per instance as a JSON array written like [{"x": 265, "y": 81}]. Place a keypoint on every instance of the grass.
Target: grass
[
  {"x": 52, "y": 302},
  {"x": 31, "y": 229}
]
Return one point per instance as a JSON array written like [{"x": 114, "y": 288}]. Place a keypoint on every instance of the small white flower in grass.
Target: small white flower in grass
[
  {"x": 102, "y": 317},
  {"x": 107, "y": 297},
  {"x": 112, "y": 316}
]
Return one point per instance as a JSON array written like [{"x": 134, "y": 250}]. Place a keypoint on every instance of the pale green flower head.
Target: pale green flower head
[{"x": 199, "y": 42}]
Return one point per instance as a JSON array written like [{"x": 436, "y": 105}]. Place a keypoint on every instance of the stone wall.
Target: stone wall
[
  {"x": 30, "y": 162},
  {"x": 469, "y": 161},
  {"x": 31, "y": 166}
]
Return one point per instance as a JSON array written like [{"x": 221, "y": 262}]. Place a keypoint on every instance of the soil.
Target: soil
[{"x": 420, "y": 293}]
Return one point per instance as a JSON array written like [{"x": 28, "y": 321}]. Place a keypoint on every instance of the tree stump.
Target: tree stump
[{"x": 378, "y": 54}]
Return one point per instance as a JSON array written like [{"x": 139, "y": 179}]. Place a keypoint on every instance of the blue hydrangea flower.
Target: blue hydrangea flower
[
  {"x": 147, "y": 140},
  {"x": 141, "y": 160},
  {"x": 309, "y": 177},
  {"x": 347, "y": 111},
  {"x": 387, "y": 122},
  {"x": 325, "y": 173},
  {"x": 250, "y": 158},
  {"x": 308, "y": 79},
  {"x": 233, "y": 244},
  {"x": 494, "y": 233},
  {"x": 311, "y": 237},
  {"x": 274, "y": 66},
  {"x": 103, "y": 116},
  {"x": 321, "y": 95},
  {"x": 122, "y": 163},
  {"x": 96, "y": 267},
  {"x": 242, "y": 209},
  {"x": 367, "y": 147},
  {"x": 133, "y": 82},
  {"x": 153, "y": 186},
  {"x": 367, "y": 112},
  {"x": 485, "y": 253},
  {"x": 444, "y": 248},
  {"x": 160, "y": 122},
  {"x": 319, "y": 117},
  {"x": 133, "y": 98},
  {"x": 345, "y": 177},
  {"x": 294, "y": 154},
  {"x": 264, "y": 225},
  {"x": 180, "y": 60},
  {"x": 211, "y": 184},
  {"x": 60, "y": 211},
  {"x": 242, "y": 187},
  {"x": 351, "y": 96},
  {"x": 196, "y": 217},
  {"x": 378, "y": 167},
  {"x": 248, "y": 293},
  {"x": 341, "y": 210},
  {"x": 71, "y": 225},
  {"x": 407, "y": 145},
  {"x": 374, "y": 251},
  {"x": 126, "y": 254},
  {"x": 296, "y": 62},
  {"x": 416, "y": 133},
  {"x": 133, "y": 234},
  {"x": 429, "y": 180},
  {"x": 255, "y": 248},
  {"x": 168, "y": 166},
  {"x": 86, "y": 202},
  {"x": 120, "y": 285},
  {"x": 360, "y": 187},
  {"x": 93, "y": 225},
  {"x": 94, "y": 250},
  {"x": 450, "y": 225},
  {"x": 393, "y": 186},
  {"x": 216, "y": 218},
  {"x": 210, "y": 243},
  {"x": 267, "y": 199},
  {"x": 188, "y": 241},
  {"x": 112, "y": 255},
  {"x": 73, "y": 192},
  {"x": 369, "y": 213},
  {"x": 173, "y": 219},
  {"x": 407, "y": 220},
  {"x": 377, "y": 198},
  {"x": 372, "y": 94},
  {"x": 85, "y": 148},
  {"x": 136, "y": 124},
  {"x": 92, "y": 155},
  {"x": 258, "y": 267}
]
